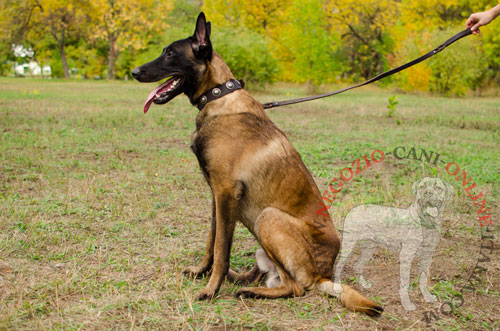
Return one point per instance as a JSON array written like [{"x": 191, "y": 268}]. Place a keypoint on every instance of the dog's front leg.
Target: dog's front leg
[
  {"x": 206, "y": 264},
  {"x": 406, "y": 257},
  {"x": 225, "y": 207},
  {"x": 424, "y": 267}
]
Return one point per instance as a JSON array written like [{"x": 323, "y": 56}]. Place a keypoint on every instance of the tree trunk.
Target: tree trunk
[
  {"x": 60, "y": 46},
  {"x": 111, "y": 57},
  {"x": 35, "y": 58},
  {"x": 311, "y": 88}
]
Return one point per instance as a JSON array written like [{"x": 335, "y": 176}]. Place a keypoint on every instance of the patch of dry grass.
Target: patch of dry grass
[{"x": 102, "y": 207}]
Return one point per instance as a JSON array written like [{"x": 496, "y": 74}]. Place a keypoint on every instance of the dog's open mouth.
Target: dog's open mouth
[
  {"x": 431, "y": 208},
  {"x": 165, "y": 92}
]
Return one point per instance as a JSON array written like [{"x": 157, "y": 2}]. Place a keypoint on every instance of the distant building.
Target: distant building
[{"x": 32, "y": 68}]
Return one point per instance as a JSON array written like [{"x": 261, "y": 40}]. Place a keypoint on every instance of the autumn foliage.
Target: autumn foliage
[{"x": 309, "y": 41}]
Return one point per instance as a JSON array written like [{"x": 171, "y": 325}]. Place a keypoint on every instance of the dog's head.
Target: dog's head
[
  {"x": 431, "y": 195},
  {"x": 183, "y": 60}
]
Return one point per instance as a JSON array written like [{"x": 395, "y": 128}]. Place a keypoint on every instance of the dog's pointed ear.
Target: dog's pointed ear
[{"x": 202, "y": 47}]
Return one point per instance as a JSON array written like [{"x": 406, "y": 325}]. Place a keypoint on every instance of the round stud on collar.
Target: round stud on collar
[
  {"x": 216, "y": 92},
  {"x": 203, "y": 100},
  {"x": 230, "y": 85}
]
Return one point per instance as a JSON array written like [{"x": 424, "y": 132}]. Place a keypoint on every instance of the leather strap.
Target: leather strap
[
  {"x": 436, "y": 50},
  {"x": 219, "y": 91}
]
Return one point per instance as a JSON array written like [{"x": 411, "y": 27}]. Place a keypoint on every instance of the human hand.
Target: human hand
[{"x": 479, "y": 19}]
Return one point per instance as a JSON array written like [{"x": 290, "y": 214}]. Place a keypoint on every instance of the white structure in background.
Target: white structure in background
[{"x": 30, "y": 68}]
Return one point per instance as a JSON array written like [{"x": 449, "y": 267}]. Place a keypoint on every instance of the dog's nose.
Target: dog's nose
[{"x": 136, "y": 72}]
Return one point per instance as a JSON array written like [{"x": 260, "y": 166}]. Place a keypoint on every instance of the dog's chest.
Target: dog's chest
[{"x": 198, "y": 146}]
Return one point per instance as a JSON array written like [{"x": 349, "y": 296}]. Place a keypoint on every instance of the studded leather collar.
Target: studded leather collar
[{"x": 219, "y": 91}]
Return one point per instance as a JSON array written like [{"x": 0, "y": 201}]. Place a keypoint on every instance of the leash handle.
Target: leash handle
[{"x": 436, "y": 50}]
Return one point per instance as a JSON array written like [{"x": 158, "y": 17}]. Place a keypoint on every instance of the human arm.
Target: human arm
[{"x": 482, "y": 18}]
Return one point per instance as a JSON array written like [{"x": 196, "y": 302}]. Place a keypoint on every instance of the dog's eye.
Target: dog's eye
[{"x": 169, "y": 53}]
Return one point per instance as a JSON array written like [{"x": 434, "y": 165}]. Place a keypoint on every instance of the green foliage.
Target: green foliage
[
  {"x": 311, "y": 41},
  {"x": 6, "y": 57},
  {"x": 454, "y": 71},
  {"x": 180, "y": 25},
  {"x": 313, "y": 49},
  {"x": 491, "y": 46},
  {"x": 56, "y": 66},
  {"x": 246, "y": 53},
  {"x": 392, "y": 106},
  {"x": 366, "y": 29}
]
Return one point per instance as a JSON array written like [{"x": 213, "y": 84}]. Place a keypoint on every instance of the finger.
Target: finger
[
  {"x": 475, "y": 28},
  {"x": 470, "y": 22}
]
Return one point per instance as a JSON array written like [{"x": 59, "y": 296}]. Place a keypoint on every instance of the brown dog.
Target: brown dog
[{"x": 256, "y": 177}]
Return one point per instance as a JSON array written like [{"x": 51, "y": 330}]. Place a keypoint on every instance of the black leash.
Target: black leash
[{"x": 438, "y": 49}]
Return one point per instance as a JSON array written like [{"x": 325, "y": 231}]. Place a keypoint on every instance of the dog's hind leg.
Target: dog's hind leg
[
  {"x": 244, "y": 278},
  {"x": 348, "y": 244},
  {"x": 281, "y": 237},
  {"x": 266, "y": 265},
  {"x": 263, "y": 268},
  {"x": 287, "y": 288},
  {"x": 285, "y": 241},
  {"x": 367, "y": 250},
  {"x": 206, "y": 264}
]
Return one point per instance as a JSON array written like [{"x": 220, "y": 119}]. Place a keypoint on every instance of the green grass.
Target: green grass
[{"x": 102, "y": 206}]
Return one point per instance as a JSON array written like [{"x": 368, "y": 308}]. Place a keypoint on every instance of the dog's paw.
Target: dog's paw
[
  {"x": 429, "y": 298},
  {"x": 193, "y": 272},
  {"x": 206, "y": 294},
  {"x": 363, "y": 282},
  {"x": 245, "y": 293},
  {"x": 409, "y": 306}
]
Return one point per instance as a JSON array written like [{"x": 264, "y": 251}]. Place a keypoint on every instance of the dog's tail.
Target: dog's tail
[{"x": 349, "y": 297}]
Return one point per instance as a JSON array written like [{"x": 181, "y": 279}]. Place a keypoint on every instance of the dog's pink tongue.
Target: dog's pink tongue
[{"x": 151, "y": 97}]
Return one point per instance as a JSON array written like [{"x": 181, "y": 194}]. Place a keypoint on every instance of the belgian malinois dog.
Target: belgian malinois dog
[{"x": 256, "y": 177}]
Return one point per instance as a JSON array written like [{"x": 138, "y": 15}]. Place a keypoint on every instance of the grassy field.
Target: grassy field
[{"x": 101, "y": 207}]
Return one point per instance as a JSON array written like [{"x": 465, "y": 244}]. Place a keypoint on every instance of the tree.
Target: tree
[
  {"x": 453, "y": 73},
  {"x": 312, "y": 48},
  {"x": 247, "y": 54},
  {"x": 263, "y": 17},
  {"x": 127, "y": 23},
  {"x": 62, "y": 19},
  {"x": 364, "y": 27},
  {"x": 29, "y": 22},
  {"x": 427, "y": 23}
]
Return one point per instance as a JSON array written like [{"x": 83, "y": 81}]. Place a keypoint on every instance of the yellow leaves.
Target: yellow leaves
[
  {"x": 415, "y": 78},
  {"x": 259, "y": 15},
  {"x": 373, "y": 13},
  {"x": 126, "y": 20},
  {"x": 432, "y": 14}
]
